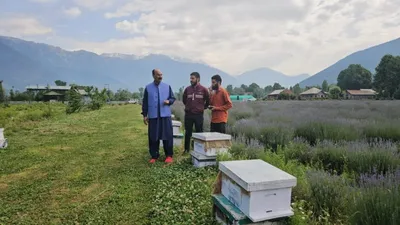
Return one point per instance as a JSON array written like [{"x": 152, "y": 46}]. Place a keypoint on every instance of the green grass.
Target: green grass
[{"x": 87, "y": 168}]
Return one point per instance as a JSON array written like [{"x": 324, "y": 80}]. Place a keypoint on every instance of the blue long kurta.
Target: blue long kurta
[{"x": 159, "y": 128}]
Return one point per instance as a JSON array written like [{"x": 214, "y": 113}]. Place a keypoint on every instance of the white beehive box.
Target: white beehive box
[
  {"x": 200, "y": 160},
  {"x": 177, "y": 139},
  {"x": 3, "y": 141},
  {"x": 211, "y": 143},
  {"x": 260, "y": 190},
  {"x": 176, "y": 126}
]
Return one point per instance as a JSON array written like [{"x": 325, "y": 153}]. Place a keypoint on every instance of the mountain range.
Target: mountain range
[
  {"x": 25, "y": 63},
  {"x": 368, "y": 58}
]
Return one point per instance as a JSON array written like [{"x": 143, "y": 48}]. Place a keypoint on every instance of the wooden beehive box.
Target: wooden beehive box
[
  {"x": 260, "y": 190},
  {"x": 211, "y": 143},
  {"x": 200, "y": 160},
  {"x": 176, "y": 126}
]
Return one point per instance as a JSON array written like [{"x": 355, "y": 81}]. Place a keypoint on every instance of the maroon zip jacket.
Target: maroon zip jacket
[{"x": 196, "y": 99}]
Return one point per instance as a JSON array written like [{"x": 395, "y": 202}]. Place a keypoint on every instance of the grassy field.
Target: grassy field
[
  {"x": 92, "y": 167},
  {"x": 84, "y": 168}
]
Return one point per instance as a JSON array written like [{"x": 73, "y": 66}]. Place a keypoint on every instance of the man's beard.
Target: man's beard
[
  {"x": 193, "y": 83},
  {"x": 215, "y": 87}
]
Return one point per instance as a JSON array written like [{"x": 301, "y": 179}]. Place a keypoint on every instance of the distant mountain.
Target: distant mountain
[
  {"x": 265, "y": 76},
  {"x": 24, "y": 62},
  {"x": 368, "y": 58}
]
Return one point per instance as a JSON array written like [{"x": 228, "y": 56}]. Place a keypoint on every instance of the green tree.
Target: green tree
[
  {"x": 277, "y": 86},
  {"x": 60, "y": 83},
  {"x": 122, "y": 95},
  {"x": 258, "y": 93},
  {"x": 325, "y": 86},
  {"x": 2, "y": 93},
  {"x": 74, "y": 99},
  {"x": 268, "y": 89},
  {"x": 180, "y": 93},
  {"x": 252, "y": 87},
  {"x": 297, "y": 89},
  {"x": 136, "y": 95},
  {"x": 355, "y": 77},
  {"x": 238, "y": 91},
  {"x": 141, "y": 92},
  {"x": 229, "y": 88},
  {"x": 387, "y": 77},
  {"x": 12, "y": 95},
  {"x": 334, "y": 92}
]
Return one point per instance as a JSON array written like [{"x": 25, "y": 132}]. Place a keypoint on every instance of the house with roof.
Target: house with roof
[
  {"x": 275, "y": 94},
  {"x": 313, "y": 93},
  {"x": 360, "y": 94},
  {"x": 242, "y": 98},
  {"x": 55, "y": 93}
]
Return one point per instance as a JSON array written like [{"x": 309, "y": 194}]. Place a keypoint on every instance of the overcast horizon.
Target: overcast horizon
[{"x": 293, "y": 37}]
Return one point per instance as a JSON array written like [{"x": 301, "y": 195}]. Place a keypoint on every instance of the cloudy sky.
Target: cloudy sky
[{"x": 291, "y": 36}]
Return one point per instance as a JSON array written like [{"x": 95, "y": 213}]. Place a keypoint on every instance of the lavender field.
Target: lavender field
[{"x": 345, "y": 155}]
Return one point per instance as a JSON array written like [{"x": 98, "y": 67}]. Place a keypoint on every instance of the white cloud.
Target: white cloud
[
  {"x": 95, "y": 4},
  {"x": 292, "y": 36},
  {"x": 20, "y": 26},
  {"x": 73, "y": 12}
]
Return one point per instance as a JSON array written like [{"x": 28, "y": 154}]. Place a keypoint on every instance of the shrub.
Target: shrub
[
  {"x": 275, "y": 136},
  {"x": 388, "y": 132},
  {"x": 329, "y": 194},
  {"x": 378, "y": 200}
]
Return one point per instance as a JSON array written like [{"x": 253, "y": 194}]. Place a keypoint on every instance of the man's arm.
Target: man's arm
[
  {"x": 145, "y": 106},
  {"x": 207, "y": 98},
  {"x": 228, "y": 103},
  {"x": 171, "y": 98},
  {"x": 184, "y": 97}
]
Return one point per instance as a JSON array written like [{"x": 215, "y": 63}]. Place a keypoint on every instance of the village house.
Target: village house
[
  {"x": 360, "y": 94},
  {"x": 275, "y": 94},
  {"x": 312, "y": 93},
  {"x": 55, "y": 93}
]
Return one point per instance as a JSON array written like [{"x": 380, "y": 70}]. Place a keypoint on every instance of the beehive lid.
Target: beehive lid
[
  {"x": 256, "y": 175},
  {"x": 176, "y": 123},
  {"x": 211, "y": 136}
]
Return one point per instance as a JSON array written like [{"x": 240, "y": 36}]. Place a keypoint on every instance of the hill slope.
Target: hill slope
[
  {"x": 41, "y": 63},
  {"x": 266, "y": 76},
  {"x": 368, "y": 58}
]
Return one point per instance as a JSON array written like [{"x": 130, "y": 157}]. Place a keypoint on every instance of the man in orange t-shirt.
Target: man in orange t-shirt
[{"x": 220, "y": 103}]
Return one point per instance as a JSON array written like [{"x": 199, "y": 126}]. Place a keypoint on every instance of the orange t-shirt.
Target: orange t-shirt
[{"x": 221, "y": 101}]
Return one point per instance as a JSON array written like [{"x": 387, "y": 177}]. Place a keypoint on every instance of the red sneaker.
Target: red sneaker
[
  {"x": 169, "y": 159},
  {"x": 152, "y": 161}
]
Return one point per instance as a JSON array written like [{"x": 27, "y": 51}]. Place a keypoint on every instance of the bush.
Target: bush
[
  {"x": 275, "y": 136},
  {"x": 388, "y": 132},
  {"x": 378, "y": 200}
]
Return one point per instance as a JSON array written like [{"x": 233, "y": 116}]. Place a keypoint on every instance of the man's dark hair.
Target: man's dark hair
[
  {"x": 195, "y": 74},
  {"x": 153, "y": 72},
  {"x": 217, "y": 78}
]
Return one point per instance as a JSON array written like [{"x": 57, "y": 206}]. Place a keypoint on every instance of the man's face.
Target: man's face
[
  {"x": 157, "y": 76},
  {"x": 214, "y": 84},
  {"x": 193, "y": 80}
]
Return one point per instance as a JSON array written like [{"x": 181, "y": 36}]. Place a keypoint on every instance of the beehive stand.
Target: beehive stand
[
  {"x": 200, "y": 160},
  {"x": 3, "y": 141},
  {"x": 259, "y": 190}
]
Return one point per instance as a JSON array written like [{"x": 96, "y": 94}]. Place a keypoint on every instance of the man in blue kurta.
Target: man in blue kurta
[{"x": 156, "y": 110}]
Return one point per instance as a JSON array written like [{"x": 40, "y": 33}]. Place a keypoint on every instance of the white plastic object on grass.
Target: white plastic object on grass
[{"x": 3, "y": 141}]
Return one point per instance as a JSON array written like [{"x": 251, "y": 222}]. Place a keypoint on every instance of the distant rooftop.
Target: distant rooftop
[
  {"x": 276, "y": 92},
  {"x": 362, "y": 92},
  {"x": 311, "y": 91},
  {"x": 45, "y": 87}
]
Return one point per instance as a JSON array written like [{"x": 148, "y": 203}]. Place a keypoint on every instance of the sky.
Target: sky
[{"x": 290, "y": 36}]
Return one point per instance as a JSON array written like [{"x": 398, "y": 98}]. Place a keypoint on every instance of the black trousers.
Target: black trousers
[
  {"x": 190, "y": 120},
  {"x": 218, "y": 127},
  {"x": 155, "y": 148}
]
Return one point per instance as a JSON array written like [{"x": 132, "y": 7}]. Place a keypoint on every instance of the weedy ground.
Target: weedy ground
[{"x": 91, "y": 167}]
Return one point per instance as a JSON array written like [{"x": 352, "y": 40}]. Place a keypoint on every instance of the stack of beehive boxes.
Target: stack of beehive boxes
[
  {"x": 207, "y": 146},
  {"x": 252, "y": 192}
]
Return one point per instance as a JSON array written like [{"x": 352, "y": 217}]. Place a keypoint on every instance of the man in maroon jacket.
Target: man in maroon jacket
[{"x": 196, "y": 99}]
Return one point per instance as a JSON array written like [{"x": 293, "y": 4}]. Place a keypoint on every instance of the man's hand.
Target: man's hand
[
  {"x": 212, "y": 108},
  {"x": 166, "y": 102},
  {"x": 146, "y": 120}
]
